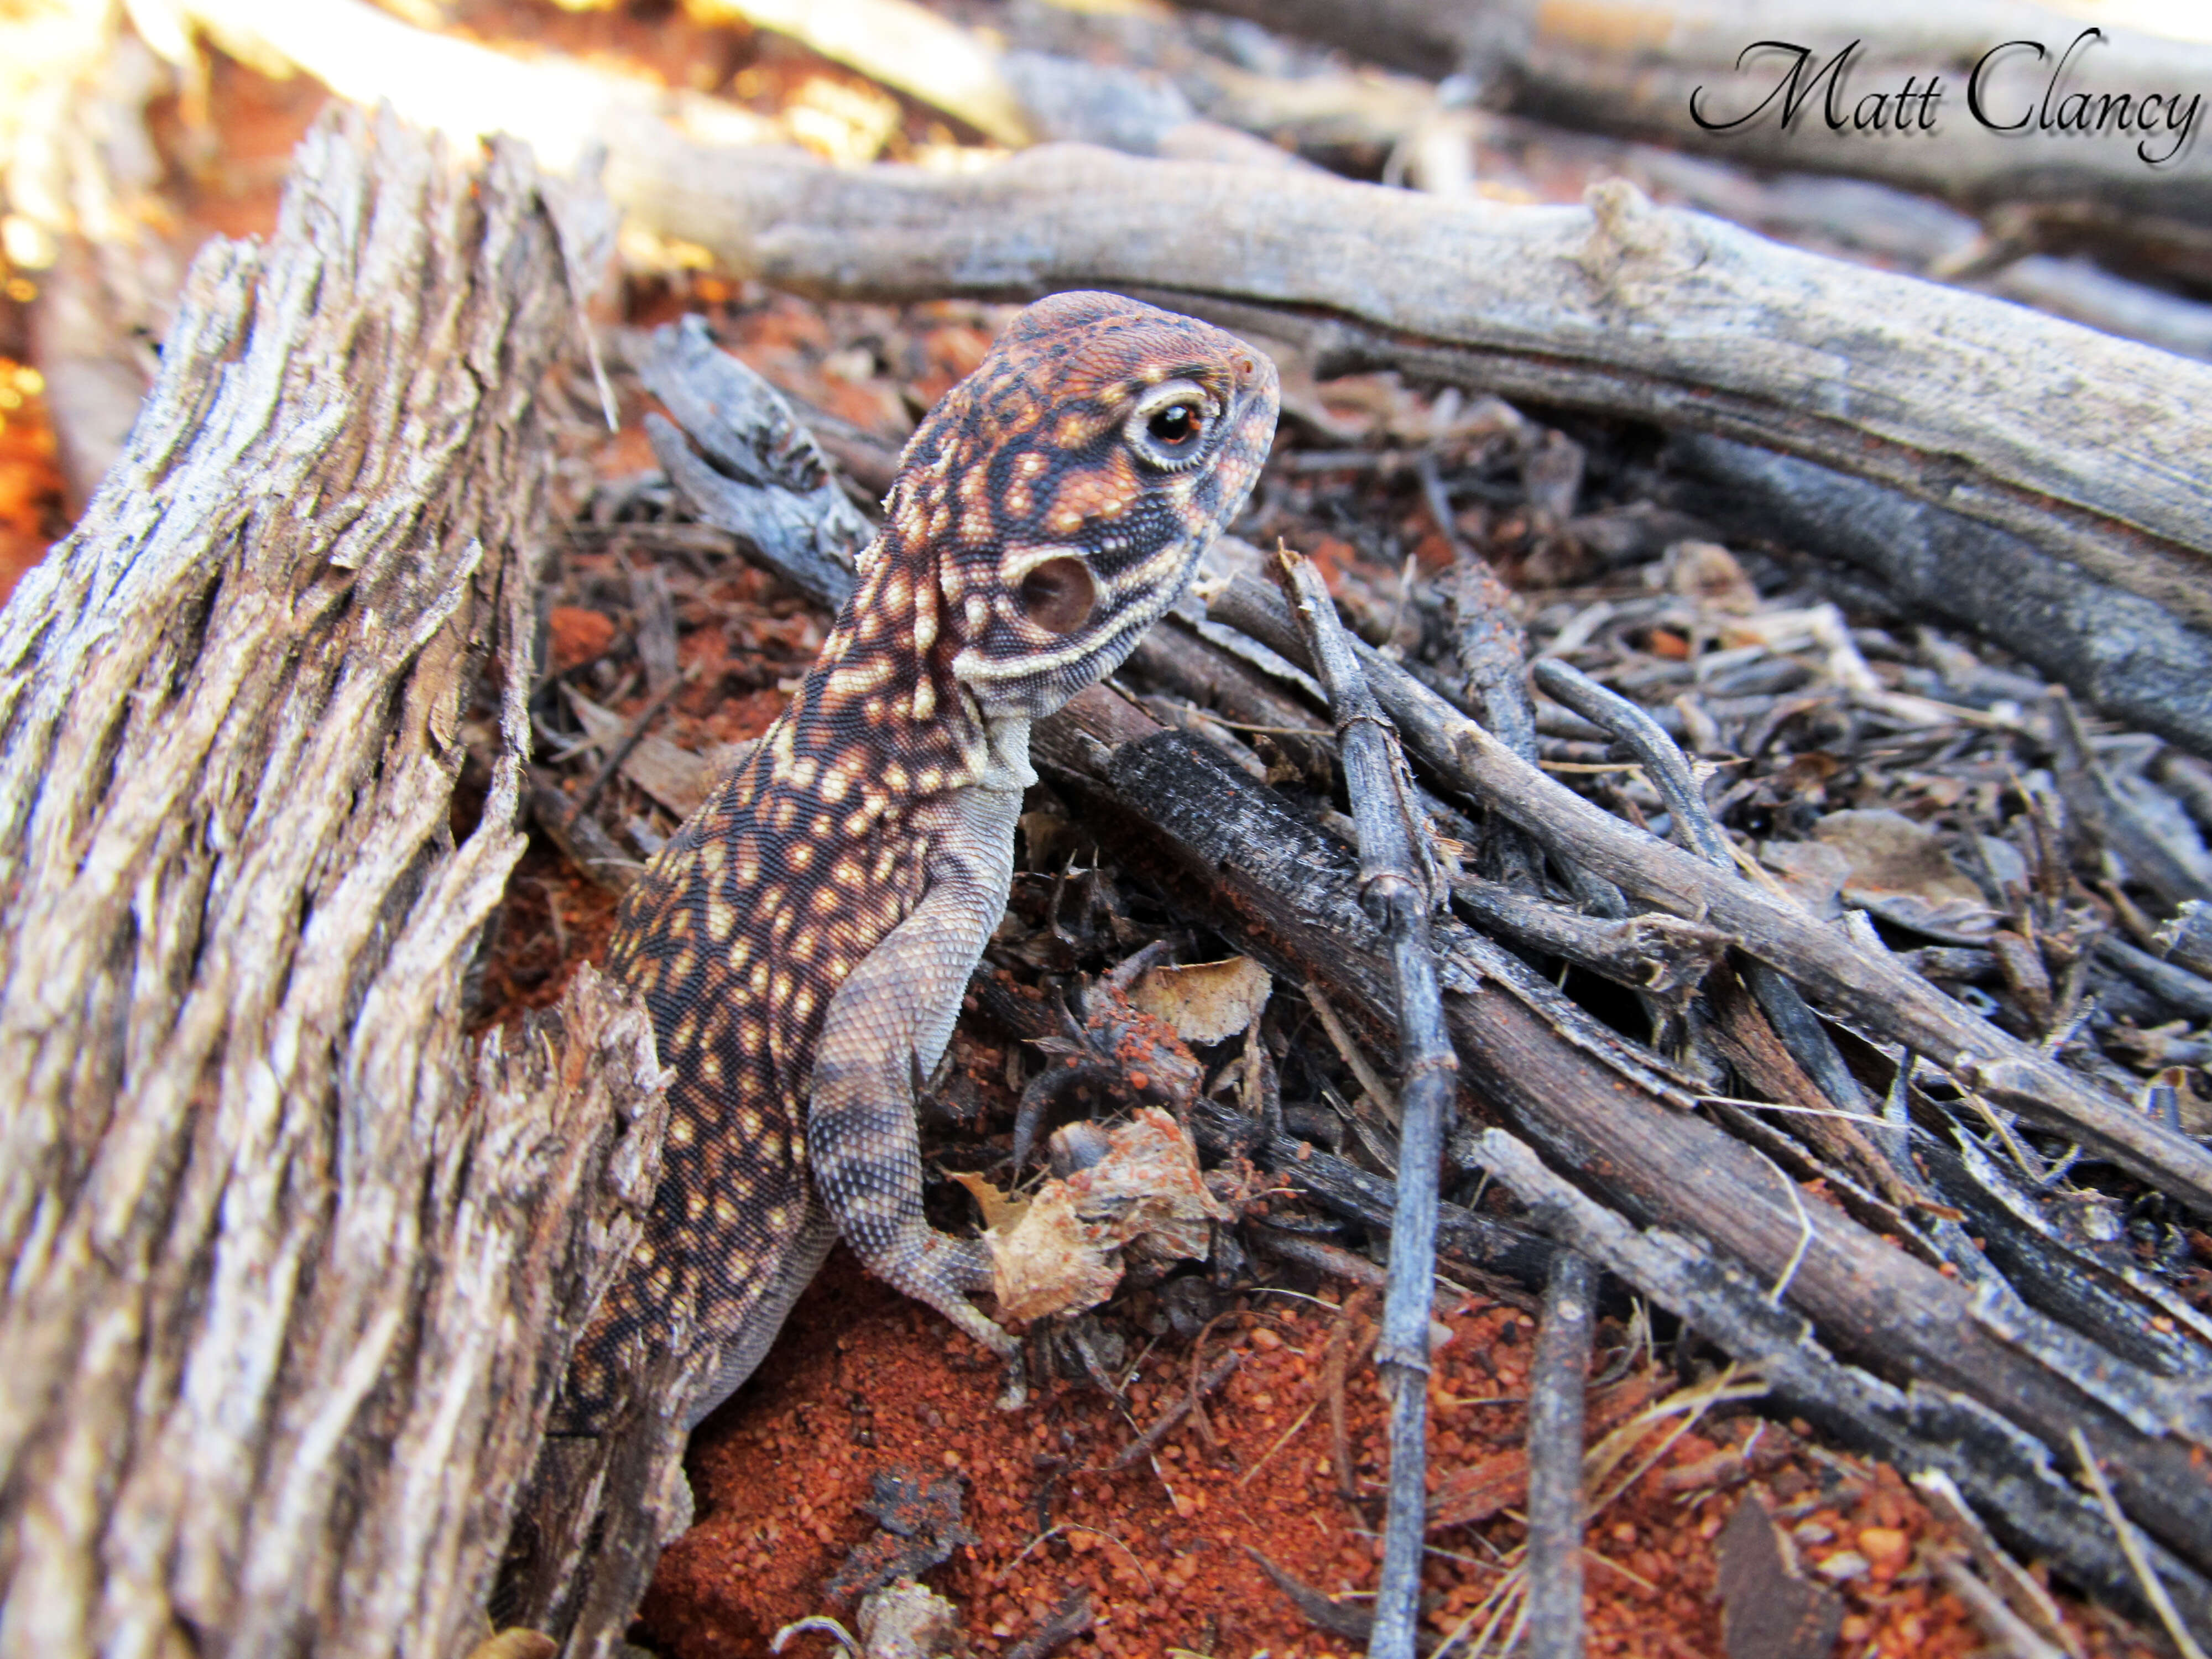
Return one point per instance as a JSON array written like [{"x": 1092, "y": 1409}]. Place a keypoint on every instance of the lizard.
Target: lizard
[{"x": 803, "y": 942}]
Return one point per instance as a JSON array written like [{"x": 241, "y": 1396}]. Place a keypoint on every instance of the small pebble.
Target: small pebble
[
  {"x": 1841, "y": 1567},
  {"x": 1884, "y": 1546}
]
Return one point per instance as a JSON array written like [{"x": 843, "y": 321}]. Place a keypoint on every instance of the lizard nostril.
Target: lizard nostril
[
  {"x": 1059, "y": 595},
  {"x": 1246, "y": 371}
]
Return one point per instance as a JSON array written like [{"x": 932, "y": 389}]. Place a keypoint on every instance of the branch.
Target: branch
[
  {"x": 1398, "y": 887},
  {"x": 1557, "y": 1378},
  {"x": 2082, "y": 445},
  {"x": 1886, "y": 998}
]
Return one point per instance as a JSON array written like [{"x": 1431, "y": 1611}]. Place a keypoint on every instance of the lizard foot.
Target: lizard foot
[{"x": 943, "y": 1272}]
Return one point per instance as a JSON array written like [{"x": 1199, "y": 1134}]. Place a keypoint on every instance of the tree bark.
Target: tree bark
[{"x": 292, "y": 1274}]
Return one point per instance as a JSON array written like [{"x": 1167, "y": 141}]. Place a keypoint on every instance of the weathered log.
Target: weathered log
[
  {"x": 292, "y": 1275},
  {"x": 2080, "y": 444}
]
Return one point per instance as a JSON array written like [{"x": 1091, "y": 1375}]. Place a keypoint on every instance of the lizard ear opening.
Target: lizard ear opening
[{"x": 1059, "y": 595}]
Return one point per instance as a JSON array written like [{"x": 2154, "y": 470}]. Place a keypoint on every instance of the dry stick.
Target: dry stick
[
  {"x": 2014, "y": 1635},
  {"x": 1556, "y": 1382},
  {"x": 2111, "y": 818},
  {"x": 1662, "y": 956},
  {"x": 1069, "y": 1621},
  {"x": 1799, "y": 1028},
  {"x": 1334, "y": 1260},
  {"x": 1274, "y": 883},
  {"x": 1883, "y": 996},
  {"x": 1915, "y": 1431},
  {"x": 1493, "y": 648},
  {"x": 1344, "y": 1351},
  {"x": 2153, "y": 1591},
  {"x": 627, "y": 746},
  {"x": 1398, "y": 890},
  {"x": 1176, "y": 1410},
  {"x": 739, "y": 455},
  {"x": 2190, "y": 993}
]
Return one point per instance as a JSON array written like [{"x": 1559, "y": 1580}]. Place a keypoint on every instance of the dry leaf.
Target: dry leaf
[
  {"x": 1061, "y": 1252},
  {"x": 1000, "y": 1208},
  {"x": 1814, "y": 871},
  {"x": 1206, "y": 1001},
  {"x": 1899, "y": 872},
  {"x": 1708, "y": 572},
  {"x": 1051, "y": 1261},
  {"x": 679, "y": 780},
  {"x": 1768, "y": 1610}
]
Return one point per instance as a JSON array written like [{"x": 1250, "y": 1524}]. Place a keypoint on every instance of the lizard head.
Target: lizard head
[{"x": 1066, "y": 487}]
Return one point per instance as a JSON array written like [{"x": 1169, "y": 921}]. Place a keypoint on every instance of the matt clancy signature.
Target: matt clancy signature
[{"x": 2153, "y": 119}]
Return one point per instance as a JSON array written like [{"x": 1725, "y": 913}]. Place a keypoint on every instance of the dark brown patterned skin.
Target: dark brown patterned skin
[{"x": 803, "y": 941}]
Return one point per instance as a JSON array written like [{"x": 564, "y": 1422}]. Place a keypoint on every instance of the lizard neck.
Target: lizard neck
[
  {"x": 1006, "y": 738},
  {"x": 882, "y": 720}
]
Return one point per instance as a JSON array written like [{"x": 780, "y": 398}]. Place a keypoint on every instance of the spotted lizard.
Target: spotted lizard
[{"x": 803, "y": 942}]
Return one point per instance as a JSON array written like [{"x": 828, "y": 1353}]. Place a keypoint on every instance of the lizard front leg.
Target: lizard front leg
[{"x": 888, "y": 1024}]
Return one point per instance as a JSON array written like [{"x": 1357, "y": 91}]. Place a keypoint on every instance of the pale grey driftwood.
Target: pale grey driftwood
[{"x": 2085, "y": 445}]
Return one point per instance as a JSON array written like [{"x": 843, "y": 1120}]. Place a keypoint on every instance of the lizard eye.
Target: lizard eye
[
  {"x": 1177, "y": 423},
  {"x": 1168, "y": 427},
  {"x": 1059, "y": 595}
]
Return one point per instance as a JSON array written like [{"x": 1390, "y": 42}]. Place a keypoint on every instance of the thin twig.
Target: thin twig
[
  {"x": 2154, "y": 1590},
  {"x": 1281, "y": 1441},
  {"x": 1399, "y": 889},
  {"x": 1069, "y": 1621},
  {"x": 1804, "y": 1231},
  {"x": 623, "y": 751},
  {"x": 1344, "y": 1351},
  {"x": 2015, "y": 1636},
  {"x": 1348, "y": 1050},
  {"x": 1180, "y": 1407},
  {"x": 1556, "y": 1384},
  {"x": 1051, "y": 1533}
]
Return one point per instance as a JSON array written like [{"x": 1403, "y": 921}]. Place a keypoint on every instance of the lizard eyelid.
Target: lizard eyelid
[{"x": 1169, "y": 424}]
